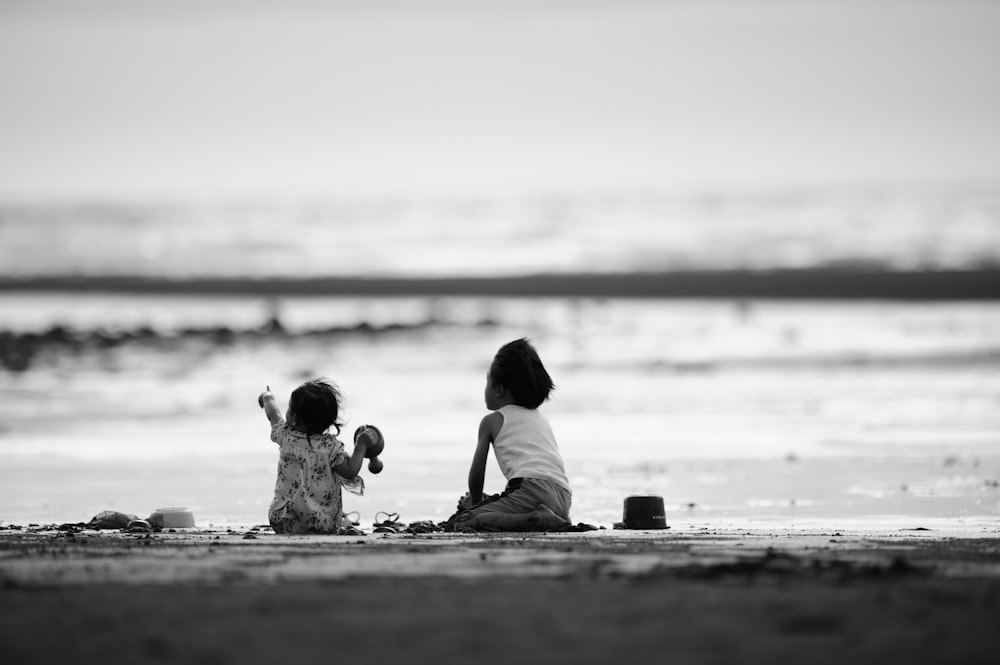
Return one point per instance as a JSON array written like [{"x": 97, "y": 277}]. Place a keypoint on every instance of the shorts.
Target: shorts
[{"x": 524, "y": 496}]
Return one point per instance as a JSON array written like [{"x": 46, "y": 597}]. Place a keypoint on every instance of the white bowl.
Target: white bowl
[{"x": 174, "y": 518}]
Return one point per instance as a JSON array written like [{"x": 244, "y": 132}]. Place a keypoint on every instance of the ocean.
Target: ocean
[
  {"x": 762, "y": 411},
  {"x": 861, "y": 227}
]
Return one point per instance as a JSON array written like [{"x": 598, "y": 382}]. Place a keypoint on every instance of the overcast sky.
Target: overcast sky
[{"x": 110, "y": 98}]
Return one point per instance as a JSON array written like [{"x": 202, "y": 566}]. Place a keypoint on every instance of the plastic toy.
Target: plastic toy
[{"x": 375, "y": 449}]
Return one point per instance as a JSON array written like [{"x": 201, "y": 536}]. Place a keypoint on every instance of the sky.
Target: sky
[{"x": 126, "y": 98}]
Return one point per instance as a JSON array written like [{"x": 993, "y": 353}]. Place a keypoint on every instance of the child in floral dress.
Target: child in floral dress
[{"x": 314, "y": 464}]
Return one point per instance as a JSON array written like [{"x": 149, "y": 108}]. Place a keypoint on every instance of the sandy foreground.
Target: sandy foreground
[{"x": 694, "y": 595}]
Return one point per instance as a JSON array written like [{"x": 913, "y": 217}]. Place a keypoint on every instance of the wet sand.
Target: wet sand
[{"x": 694, "y": 595}]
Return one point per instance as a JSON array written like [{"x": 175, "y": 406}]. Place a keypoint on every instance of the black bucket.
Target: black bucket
[{"x": 644, "y": 512}]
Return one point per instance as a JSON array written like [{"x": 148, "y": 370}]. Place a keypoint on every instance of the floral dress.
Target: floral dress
[{"x": 307, "y": 493}]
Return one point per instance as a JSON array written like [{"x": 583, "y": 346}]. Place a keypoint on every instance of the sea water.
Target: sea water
[
  {"x": 750, "y": 411},
  {"x": 900, "y": 228},
  {"x": 729, "y": 410}
]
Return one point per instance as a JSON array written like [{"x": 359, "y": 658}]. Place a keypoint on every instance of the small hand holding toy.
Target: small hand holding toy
[{"x": 375, "y": 448}]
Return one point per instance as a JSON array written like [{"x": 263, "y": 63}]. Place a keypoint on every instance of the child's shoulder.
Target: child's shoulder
[
  {"x": 492, "y": 421},
  {"x": 279, "y": 426}
]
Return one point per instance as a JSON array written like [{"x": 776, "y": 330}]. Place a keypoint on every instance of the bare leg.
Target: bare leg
[{"x": 540, "y": 519}]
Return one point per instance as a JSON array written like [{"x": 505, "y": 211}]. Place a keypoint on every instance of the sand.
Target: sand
[{"x": 690, "y": 595}]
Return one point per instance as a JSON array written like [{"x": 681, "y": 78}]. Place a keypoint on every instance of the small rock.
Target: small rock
[{"x": 139, "y": 526}]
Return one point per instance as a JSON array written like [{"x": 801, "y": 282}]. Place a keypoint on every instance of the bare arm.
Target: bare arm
[
  {"x": 488, "y": 428},
  {"x": 352, "y": 466},
  {"x": 266, "y": 402}
]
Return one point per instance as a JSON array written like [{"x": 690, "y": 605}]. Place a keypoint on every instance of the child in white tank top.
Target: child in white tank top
[{"x": 538, "y": 495}]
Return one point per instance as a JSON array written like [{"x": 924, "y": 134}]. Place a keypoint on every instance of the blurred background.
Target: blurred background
[{"x": 167, "y": 168}]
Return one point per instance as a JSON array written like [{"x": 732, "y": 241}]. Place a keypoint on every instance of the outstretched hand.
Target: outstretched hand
[
  {"x": 266, "y": 393},
  {"x": 266, "y": 401}
]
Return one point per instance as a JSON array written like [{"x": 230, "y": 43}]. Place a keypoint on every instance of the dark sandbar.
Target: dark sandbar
[{"x": 725, "y": 284}]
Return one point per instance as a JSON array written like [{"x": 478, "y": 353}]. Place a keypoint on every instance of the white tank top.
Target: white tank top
[{"x": 526, "y": 447}]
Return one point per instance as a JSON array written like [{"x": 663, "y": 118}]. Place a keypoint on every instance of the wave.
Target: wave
[
  {"x": 19, "y": 350},
  {"x": 978, "y": 358}
]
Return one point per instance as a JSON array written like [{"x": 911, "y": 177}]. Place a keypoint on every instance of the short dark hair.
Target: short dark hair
[
  {"x": 517, "y": 367},
  {"x": 316, "y": 406}
]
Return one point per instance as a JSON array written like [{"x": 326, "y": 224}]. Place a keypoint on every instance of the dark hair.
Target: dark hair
[
  {"x": 517, "y": 367},
  {"x": 316, "y": 406}
]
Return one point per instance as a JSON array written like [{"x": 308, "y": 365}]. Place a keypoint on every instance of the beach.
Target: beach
[
  {"x": 756, "y": 245},
  {"x": 770, "y": 411},
  {"x": 689, "y": 594},
  {"x": 828, "y": 466},
  {"x": 824, "y": 440}
]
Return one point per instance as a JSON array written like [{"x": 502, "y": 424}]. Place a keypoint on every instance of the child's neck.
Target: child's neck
[{"x": 509, "y": 402}]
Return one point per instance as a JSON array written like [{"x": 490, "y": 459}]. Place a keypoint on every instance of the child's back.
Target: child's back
[
  {"x": 307, "y": 491},
  {"x": 525, "y": 446},
  {"x": 313, "y": 464}
]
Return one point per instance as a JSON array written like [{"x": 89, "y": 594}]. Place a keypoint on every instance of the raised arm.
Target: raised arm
[
  {"x": 266, "y": 402},
  {"x": 489, "y": 426}
]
